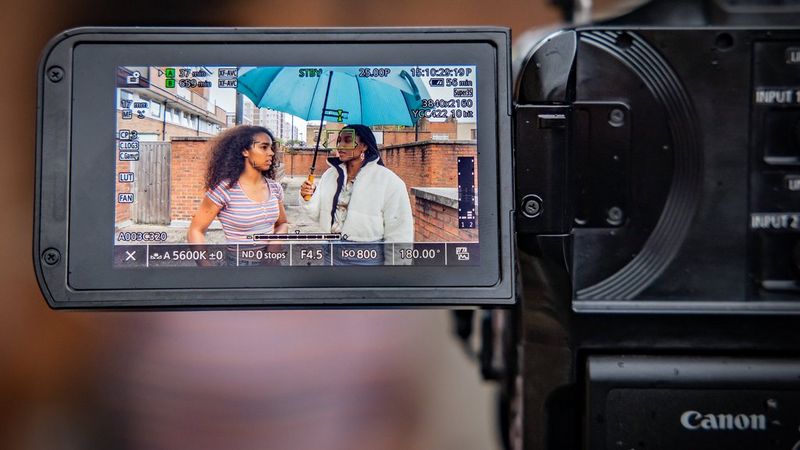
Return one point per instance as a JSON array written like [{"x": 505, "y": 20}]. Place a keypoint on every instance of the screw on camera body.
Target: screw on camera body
[
  {"x": 51, "y": 257},
  {"x": 615, "y": 216},
  {"x": 55, "y": 74},
  {"x": 531, "y": 206},
  {"x": 616, "y": 118}
]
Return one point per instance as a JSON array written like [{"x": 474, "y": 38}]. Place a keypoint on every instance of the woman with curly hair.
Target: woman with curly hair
[{"x": 240, "y": 189}]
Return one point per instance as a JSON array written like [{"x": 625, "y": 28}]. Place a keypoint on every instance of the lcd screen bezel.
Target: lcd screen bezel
[{"x": 94, "y": 58}]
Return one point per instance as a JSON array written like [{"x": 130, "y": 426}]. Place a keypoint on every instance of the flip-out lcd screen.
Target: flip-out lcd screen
[{"x": 270, "y": 168}]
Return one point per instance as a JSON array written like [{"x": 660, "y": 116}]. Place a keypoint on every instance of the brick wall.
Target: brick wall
[
  {"x": 298, "y": 162},
  {"x": 423, "y": 164},
  {"x": 435, "y": 222},
  {"x": 187, "y": 176},
  {"x": 419, "y": 164},
  {"x": 448, "y": 127},
  {"x": 393, "y": 137},
  {"x": 427, "y": 163},
  {"x": 432, "y": 164}
]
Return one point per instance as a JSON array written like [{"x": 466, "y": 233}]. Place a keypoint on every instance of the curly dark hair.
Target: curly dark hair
[{"x": 227, "y": 161}]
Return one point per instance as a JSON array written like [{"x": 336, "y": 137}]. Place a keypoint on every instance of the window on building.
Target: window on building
[
  {"x": 473, "y": 133},
  {"x": 183, "y": 93},
  {"x": 124, "y": 95},
  {"x": 155, "y": 109}
]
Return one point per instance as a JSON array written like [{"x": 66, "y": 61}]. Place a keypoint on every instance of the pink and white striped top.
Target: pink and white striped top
[{"x": 240, "y": 216}]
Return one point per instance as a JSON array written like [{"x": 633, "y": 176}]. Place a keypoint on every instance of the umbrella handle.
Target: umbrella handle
[{"x": 310, "y": 179}]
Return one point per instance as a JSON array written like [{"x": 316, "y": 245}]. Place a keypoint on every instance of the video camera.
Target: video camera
[{"x": 629, "y": 203}]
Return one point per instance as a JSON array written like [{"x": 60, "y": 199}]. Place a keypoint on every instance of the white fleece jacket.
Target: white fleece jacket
[{"x": 379, "y": 206}]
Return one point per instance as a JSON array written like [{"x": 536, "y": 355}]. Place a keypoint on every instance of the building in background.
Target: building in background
[
  {"x": 159, "y": 113},
  {"x": 448, "y": 130},
  {"x": 466, "y": 131},
  {"x": 279, "y": 123}
]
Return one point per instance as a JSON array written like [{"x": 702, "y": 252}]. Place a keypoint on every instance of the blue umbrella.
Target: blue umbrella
[{"x": 336, "y": 93}]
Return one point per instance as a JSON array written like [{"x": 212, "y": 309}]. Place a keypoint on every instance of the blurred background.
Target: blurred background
[{"x": 207, "y": 380}]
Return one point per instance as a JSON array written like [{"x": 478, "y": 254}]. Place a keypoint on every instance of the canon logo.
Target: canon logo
[{"x": 693, "y": 420}]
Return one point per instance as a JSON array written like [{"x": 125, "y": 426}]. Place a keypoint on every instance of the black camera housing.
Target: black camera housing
[
  {"x": 663, "y": 161},
  {"x": 659, "y": 273}
]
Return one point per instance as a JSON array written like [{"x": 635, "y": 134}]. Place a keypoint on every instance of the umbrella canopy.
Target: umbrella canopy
[{"x": 350, "y": 98}]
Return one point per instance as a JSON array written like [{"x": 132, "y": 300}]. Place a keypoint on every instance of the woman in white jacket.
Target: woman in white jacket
[{"x": 357, "y": 196}]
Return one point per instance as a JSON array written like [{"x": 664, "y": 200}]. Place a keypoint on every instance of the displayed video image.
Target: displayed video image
[{"x": 296, "y": 166}]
